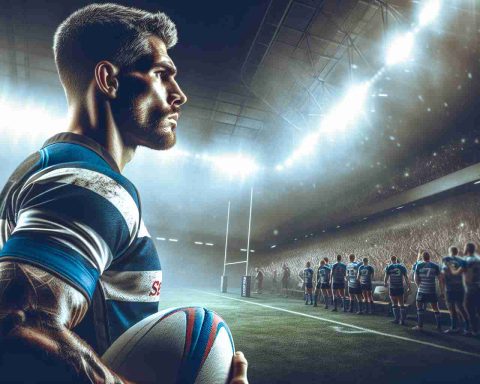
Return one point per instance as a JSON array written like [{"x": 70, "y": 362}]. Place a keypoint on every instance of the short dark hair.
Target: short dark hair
[
  {"x": 454, "y": 251},
  {"x": 365, "y": 259},
  {"x": 470, "y": 248},
  {"x": 393, "y": 259},
  {"x": 426, "y": 255},
  {"x": 110, "y": 32},
  {"x": 339, "y": 257}
]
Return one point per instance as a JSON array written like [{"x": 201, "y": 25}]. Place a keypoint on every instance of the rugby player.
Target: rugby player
[
  {"x": 307, "y": 277},
  {"x": 452, "y": 286},
  {"x": 75, "y": 254},
  {"x": 354, "y": 290},
  {"x": 337, "y": 281},
  {"x": 259, "y": 280},
  {"x": 395, "y": 277},
  {"x": 470, "y": 269},
  {"x": 323, "y": 283},
  {"x": 365, "y": 275},
  {"x": 274, "y": 281},
  {"x": 426, "y": 275},
  {"x": 285, "y": 279}
]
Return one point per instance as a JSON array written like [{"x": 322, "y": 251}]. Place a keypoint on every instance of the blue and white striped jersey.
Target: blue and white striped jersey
[
  {"x": 396, "y": 272},
  {"x": 453, "y": 283},
  {"x": 427, "y": 273},
  {"x": 307, "y": 275},
  {"x": 352, "y": 273},
  {"x": 366, "y": 273},
  {"x": 68, "y": 210},
  {"x": 323, "y": 274},
  {"x": 473, "y": 263}
]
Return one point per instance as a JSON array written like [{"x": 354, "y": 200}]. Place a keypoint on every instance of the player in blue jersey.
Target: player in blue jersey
[
  {"x": 337, "y": 281},
  {"x": 74, "y": 252},
  {"x": 470, "y": 270},
  {"x": 395, "y": 277},
  {"x": 426, "y": 276},
  {"x": 452, "y": 286},
  {"x": 366, "y": 275},
  {"x": 323, "y": 283},
  {"x": 307, "y": 277},
  {"x": 354, "y": 289}
]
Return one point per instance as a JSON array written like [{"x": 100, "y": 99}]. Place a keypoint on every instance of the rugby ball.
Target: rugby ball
[{"x": 189, "y": 345}]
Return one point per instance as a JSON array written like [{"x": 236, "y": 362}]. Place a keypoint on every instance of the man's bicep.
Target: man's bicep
[
  {"x": 72, "y": 222},
  {"x": 41, "y": 295}
]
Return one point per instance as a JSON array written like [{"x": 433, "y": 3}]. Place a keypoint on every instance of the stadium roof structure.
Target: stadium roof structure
[{"x": 261, "y": 76}]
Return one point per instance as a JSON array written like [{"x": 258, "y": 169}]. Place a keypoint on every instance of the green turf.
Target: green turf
[{"x": 288, "y": 348}]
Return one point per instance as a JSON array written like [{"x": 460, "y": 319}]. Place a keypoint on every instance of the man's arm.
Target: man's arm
[
  {"x": 407, "y": 282},
  {"x": 39, "y": 310},
  {"x": 441, "y": 283},
  {"x": 456, "y": 271},
  {"x": 385, "y": 279}
]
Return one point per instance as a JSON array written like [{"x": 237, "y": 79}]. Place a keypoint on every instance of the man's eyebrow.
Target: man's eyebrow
[{"x": 165, "y": 64}]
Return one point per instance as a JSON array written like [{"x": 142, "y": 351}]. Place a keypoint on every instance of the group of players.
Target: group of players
[{"x": 458, "y": 279}]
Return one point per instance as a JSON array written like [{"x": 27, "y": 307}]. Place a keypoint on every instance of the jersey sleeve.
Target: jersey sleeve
[{"x": 72, "y": 222}]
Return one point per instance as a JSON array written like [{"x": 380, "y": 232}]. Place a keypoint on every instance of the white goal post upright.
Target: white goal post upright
[
  {"x": 249, "y": 229},
  {"x": 246, "y": 280}
]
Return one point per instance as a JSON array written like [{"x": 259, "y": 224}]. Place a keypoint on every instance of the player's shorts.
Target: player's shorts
[
  {"x": 394, "y": 292},
  {"x": 338, "y": 285},
  {"x": 325, "y": 286},
  {"x": 308, "y": 285},
  {"x": 427, "y": 297},
  {"x": 354, "y": 290},
  {"x": 285, "y": 284},
  {"x": 454, "y": 297},
  {"x": 472, "y": 298},
  {"x": 366, "y": 287}
]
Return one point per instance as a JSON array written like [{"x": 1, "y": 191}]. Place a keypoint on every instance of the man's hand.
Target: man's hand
[{"x": 239, "y": 365}]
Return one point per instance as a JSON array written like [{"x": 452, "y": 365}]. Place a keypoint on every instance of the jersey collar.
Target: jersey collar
[{"x": 75, "y": 138}]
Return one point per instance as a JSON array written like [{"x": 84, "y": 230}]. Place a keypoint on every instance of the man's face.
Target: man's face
[{"x": 149, "y": 99}]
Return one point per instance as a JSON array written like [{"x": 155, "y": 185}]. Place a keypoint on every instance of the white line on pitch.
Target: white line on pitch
[{"x": 350, "y": 325}]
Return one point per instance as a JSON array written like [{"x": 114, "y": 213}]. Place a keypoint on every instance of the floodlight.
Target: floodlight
[
  {"x": 429, "y": 12},
  {"x": 401, "y": 49},
  {"x": 234, "y": 165},
  {"x": 347, "y": 111}
]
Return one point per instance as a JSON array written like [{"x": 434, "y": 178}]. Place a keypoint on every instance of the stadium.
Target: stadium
[{"x": 313, "y": 135}]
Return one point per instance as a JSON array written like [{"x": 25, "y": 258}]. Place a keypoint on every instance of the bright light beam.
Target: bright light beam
[
  {"x": 345, "y": 113},
  {"x": 429, "y": 12},
  {"x": 234, "y": 165},
  {"x": 400, "y": 49}
]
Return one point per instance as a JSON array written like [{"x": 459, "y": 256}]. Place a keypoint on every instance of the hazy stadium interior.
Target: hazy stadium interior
[{"x": 392, "y": 168}]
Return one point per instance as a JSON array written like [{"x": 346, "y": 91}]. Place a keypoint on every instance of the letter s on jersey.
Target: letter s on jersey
[{"x": 155, "y": 290}]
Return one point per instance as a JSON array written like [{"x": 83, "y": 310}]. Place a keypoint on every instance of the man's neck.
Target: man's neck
[{"x": 97, "y": 123}]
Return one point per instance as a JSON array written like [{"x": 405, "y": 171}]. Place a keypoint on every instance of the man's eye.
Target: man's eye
[{"x": 161, "y": 74}]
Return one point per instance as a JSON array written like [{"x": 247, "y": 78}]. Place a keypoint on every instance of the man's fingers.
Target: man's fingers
[{"x": 240, "y": 366}]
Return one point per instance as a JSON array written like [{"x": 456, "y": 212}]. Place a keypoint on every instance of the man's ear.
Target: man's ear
[{"x": 106, "y": 77}]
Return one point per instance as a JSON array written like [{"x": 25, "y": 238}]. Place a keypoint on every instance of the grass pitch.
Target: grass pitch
[{"x": 286, "y": 341}]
